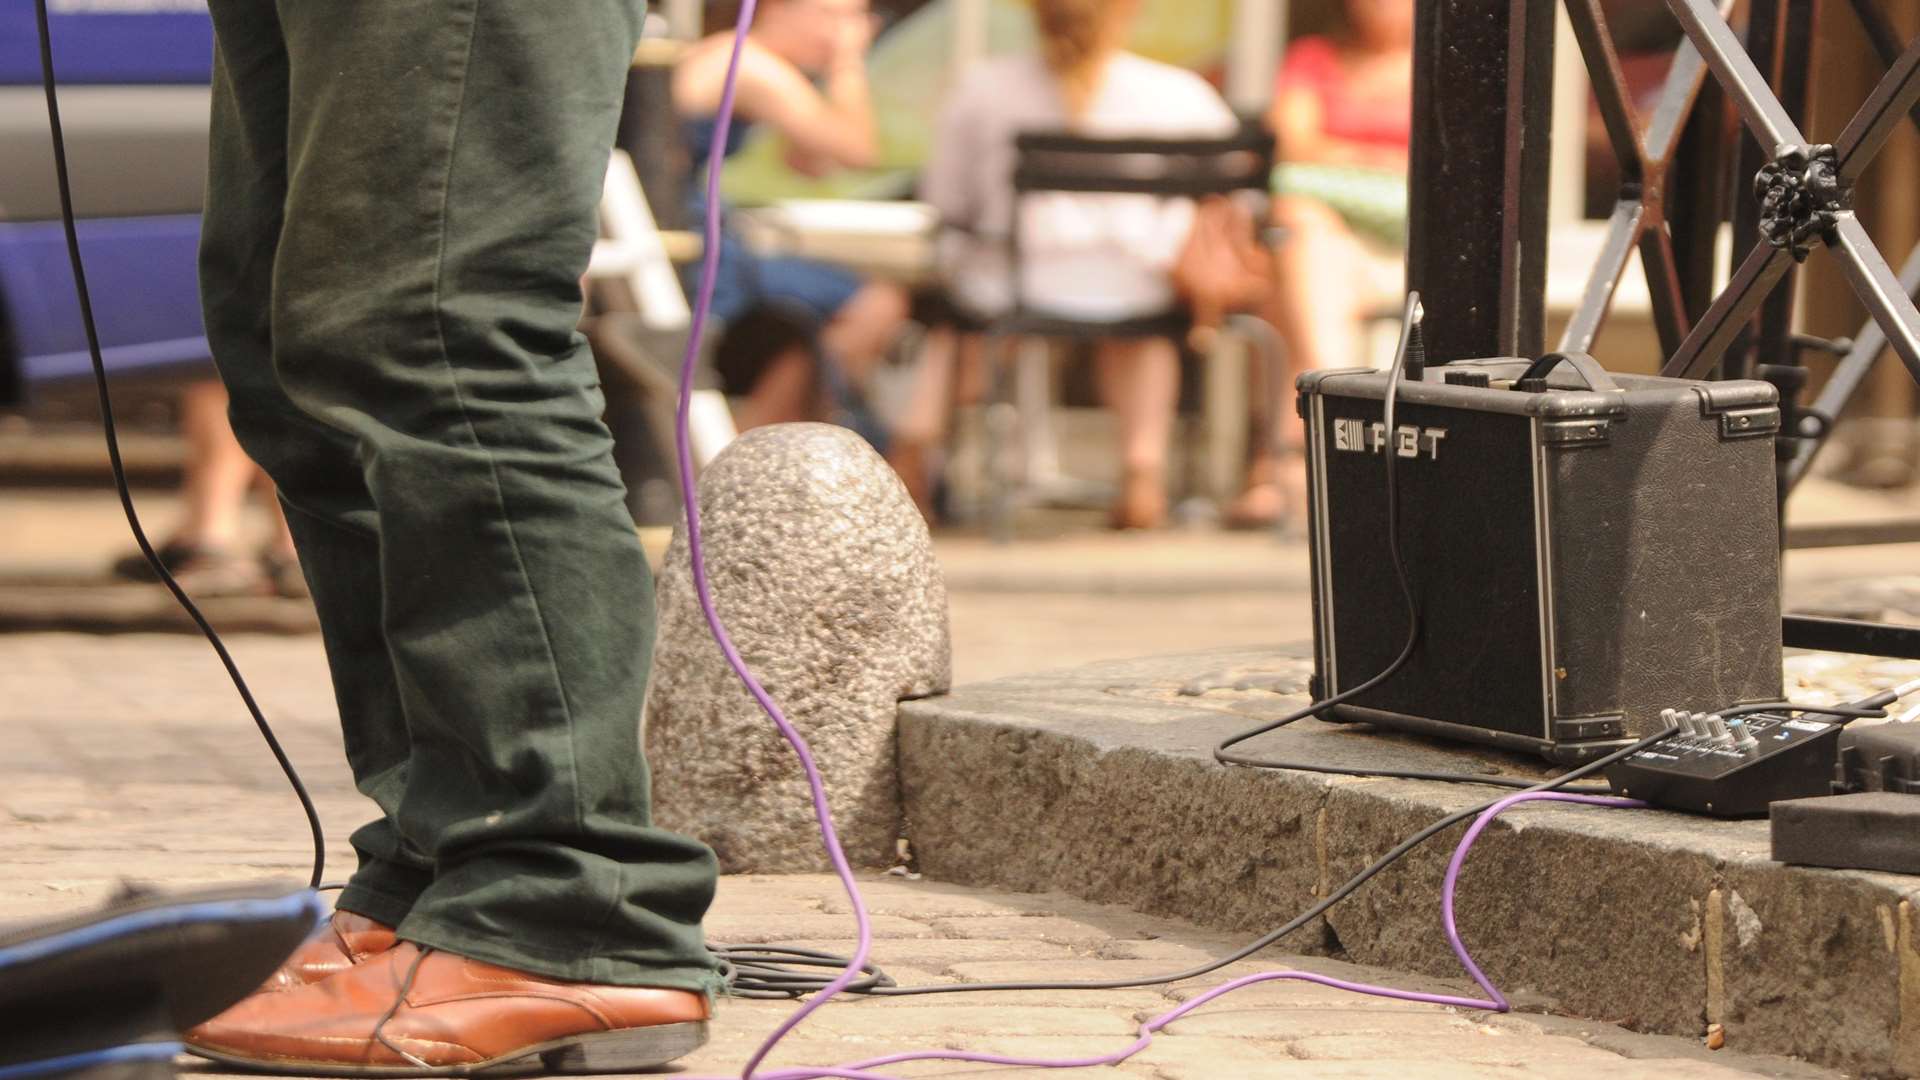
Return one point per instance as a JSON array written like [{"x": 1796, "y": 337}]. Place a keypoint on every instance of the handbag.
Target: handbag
[{"x": 1222, "y": 268}]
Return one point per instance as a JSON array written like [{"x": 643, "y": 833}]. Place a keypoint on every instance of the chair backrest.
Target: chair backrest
[
  {"x": 1055, "y": 161},
  {"x": 1170, "y": 168}
]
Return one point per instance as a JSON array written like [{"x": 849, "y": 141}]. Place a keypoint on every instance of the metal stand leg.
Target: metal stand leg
[
  {"x": 1033, "y": 398},
  {"x": 1848, "y": 376},
  {"x": 1001, "y": 421},
  {"x": 1851, "y": 636}
]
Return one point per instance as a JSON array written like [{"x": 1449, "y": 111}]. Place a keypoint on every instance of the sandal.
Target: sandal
[
  {"x": 285, "y": 577},
  {"x": 1275, "y": 496},
  {"x": 174, "y": 554},
  {"x": 1142, "y": 503},
  {"x": 219, "y": 572}
]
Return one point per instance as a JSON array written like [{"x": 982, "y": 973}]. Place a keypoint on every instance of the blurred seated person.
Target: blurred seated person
[
  {"x": 849, "y": 323},
  {"x": 1095, "y": 257},
  {"x": 1342, "y": 110},
  {"x": 204, "y": 552}
]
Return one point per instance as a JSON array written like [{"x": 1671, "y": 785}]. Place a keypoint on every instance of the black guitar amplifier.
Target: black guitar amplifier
[{"x": 1586, "y": 551}]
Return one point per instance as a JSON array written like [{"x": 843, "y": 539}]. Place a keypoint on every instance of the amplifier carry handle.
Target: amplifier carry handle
[{"x": 1596, "y": 377}]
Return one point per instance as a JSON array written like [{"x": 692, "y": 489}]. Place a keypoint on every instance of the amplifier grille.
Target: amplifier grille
[{"x": 1467, "y": 521}]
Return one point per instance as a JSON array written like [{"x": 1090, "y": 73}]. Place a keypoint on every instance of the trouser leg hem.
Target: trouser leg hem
[
  {"x": 424, "y": 930},
  {"x": 375, "y": 904}
]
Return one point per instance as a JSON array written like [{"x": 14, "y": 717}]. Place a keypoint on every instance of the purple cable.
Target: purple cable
[
  {"x": 709, "y": 271},
  {"x": 1494, "y": 1000}
]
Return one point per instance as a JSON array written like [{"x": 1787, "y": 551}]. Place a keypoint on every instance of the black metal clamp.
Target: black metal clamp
[
  {"x": 1808, "y": 186},
  {"x": 1801, "y": 197}
]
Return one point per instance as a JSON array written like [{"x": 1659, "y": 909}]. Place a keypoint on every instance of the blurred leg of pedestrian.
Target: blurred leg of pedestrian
[
  {"x": 1140, "y": 381},
  {"x": 207, "y": 550}
]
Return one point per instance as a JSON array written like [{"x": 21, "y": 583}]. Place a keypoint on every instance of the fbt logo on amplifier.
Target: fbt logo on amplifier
[{"x": 1362, "y": 437}]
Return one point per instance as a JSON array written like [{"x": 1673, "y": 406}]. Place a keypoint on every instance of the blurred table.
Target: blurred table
[
  {"x": 892, "y": 240},
  {"x": 683, "y": 245}
]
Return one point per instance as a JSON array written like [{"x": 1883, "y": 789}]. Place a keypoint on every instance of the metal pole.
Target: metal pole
[
  {"x": 684, "y": 18},
  {"x": 1877, "y": 287},
  {"x": 1253, "y": 57},
  {"x": 969, "y": 34},
  {"x": 1566, "y": 192},
  {"x": 1795, "y": 82},
  {"x": 1851, "y": 636},
  {"x": 1728, "y": 315},
  {"x": 1764, "y": 18},
  {"x": 1697, "y": 191},
  {"x": 1477, "y": 214},
  {"x": 1738, "y": 75},
  {"x": 1639, "y": 214}
]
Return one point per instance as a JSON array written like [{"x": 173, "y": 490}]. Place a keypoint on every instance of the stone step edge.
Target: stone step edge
[{"x": 1603, "y": 913}]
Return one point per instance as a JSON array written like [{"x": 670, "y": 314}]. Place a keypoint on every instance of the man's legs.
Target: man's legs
[
  {"x": 446, "y": 161},
  {"x": 432, "y": 419},
  {"x": 323, "y": 492}
]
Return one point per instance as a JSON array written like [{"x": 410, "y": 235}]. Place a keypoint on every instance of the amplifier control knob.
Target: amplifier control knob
[
  {"x": 1742, "y": 735},
  {"x": 1717, "y": 730},
  {"x": 1469, "y": 378}
]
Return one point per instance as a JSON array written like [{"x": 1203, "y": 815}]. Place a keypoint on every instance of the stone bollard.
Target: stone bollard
[{"x": 824, "y": 574}]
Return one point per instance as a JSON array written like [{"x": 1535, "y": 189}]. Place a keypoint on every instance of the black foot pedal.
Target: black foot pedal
[
  {"x": 105, "y": 995},
  {"x": 1870, "y": 830}
]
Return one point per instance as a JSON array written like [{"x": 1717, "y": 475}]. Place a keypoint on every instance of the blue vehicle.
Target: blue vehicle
[{"x": 134, "y": 97}]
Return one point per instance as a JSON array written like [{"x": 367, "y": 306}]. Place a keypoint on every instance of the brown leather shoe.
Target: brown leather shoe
[
  {"x": 346, "y": 939},
  {"x": 451, "y": 1016}
]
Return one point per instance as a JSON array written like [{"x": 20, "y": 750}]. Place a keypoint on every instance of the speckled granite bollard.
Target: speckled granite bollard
[{"x": 825, "y": 576}]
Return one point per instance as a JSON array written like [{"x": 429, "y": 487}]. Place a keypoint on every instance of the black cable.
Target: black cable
[
  {"x": 1407, "y": 353},
  {"x": 767, "y": 971},
  {"x": 1513, "y": 782},
  {"x": 786, "y": 983},
  {"x": 1859, "y": 710},
  {"x": 794, "y": 985},
  {"x": 770, "y": 979},
  {"x": 762, "y": 975},
  {"x": 119, "y": 468},
  {"x": 1409, "y": 325},
  {"x": 1884, "y": 698}
]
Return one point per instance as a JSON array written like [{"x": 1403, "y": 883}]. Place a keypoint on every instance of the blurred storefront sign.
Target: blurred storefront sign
[{"x": 109, "y": 42}]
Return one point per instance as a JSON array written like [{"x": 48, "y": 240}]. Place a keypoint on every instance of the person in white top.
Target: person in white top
[{"x": 1088, "y": 256}]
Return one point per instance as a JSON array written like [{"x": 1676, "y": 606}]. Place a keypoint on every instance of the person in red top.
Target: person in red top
[
  {"x": 1349, "y": 101},
  {"x": 1342, "y": 109}
]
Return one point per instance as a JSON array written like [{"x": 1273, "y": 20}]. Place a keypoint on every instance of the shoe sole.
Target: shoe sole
[{"x": 626, "y": 1051}]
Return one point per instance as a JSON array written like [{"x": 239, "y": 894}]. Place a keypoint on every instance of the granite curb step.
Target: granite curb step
[{"x": 1098, "y": 782}]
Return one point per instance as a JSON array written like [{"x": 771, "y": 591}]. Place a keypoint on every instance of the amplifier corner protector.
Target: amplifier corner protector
[
  {"x": 1749, "y": 423},
  {"x": 1584, "y": 728},
  {"x": 1588, "y": 431}
]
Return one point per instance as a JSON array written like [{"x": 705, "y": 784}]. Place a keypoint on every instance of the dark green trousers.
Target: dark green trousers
[{"x": 402, "y": 201}]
